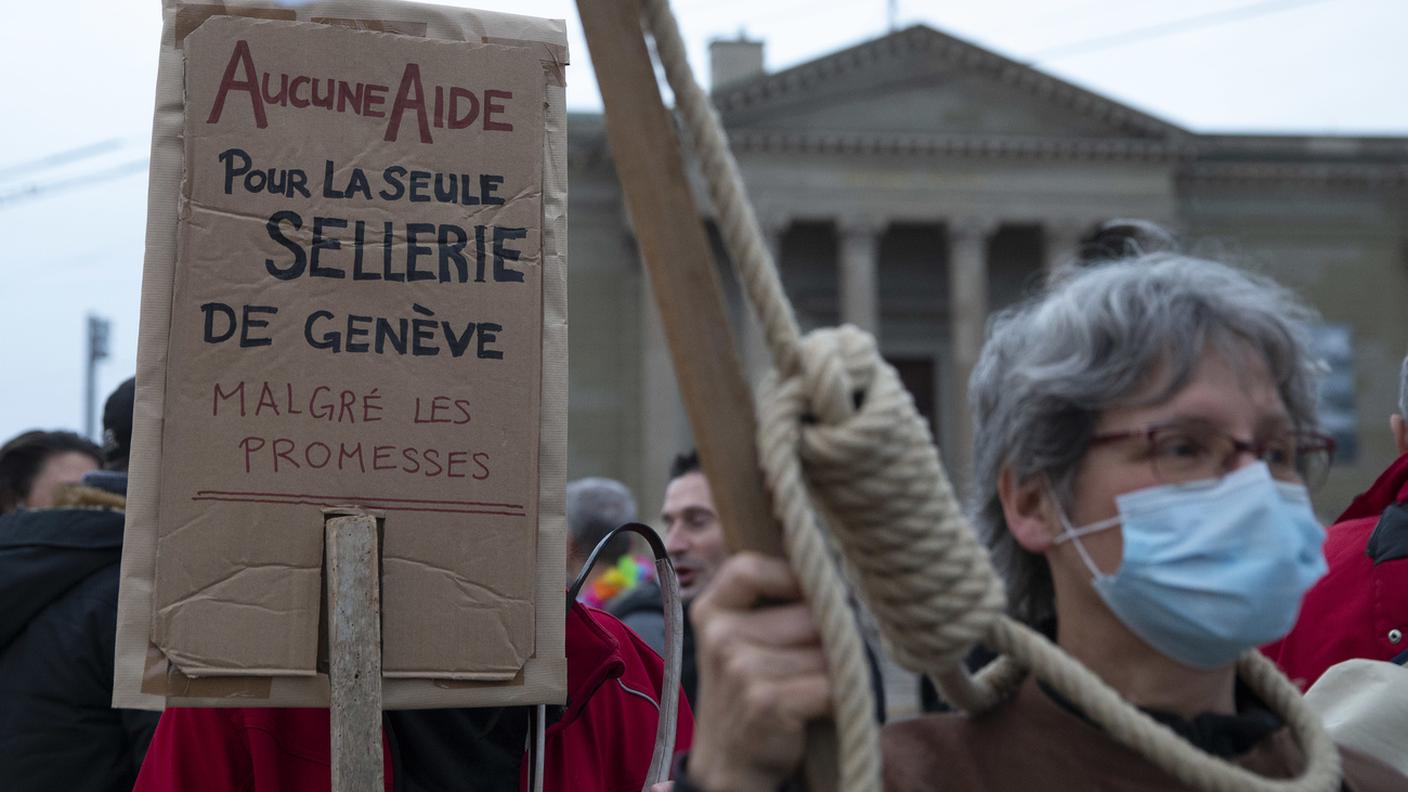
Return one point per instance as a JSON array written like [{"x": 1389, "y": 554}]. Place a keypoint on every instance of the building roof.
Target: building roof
[
  {"x": 931, "y": 53},
  {"x": 922, "y": 92}
]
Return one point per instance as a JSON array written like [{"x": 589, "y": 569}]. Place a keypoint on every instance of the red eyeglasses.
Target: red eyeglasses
[{"x": 1185, "y": 451}]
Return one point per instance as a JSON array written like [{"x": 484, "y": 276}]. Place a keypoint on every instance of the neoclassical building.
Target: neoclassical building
[{"x": 915, "y": 183}]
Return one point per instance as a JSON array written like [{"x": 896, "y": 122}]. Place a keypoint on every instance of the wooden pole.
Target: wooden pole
[
  {"x": 683, "y": 275},
  {"x": 353, "y": 574},
  {"x": 685, "y": 283}
]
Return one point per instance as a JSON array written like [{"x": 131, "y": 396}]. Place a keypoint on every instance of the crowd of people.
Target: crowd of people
[{"x": 1145, "y": 449}]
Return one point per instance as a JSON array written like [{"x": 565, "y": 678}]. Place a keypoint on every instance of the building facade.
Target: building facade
[{"x": 913, "y": 184}]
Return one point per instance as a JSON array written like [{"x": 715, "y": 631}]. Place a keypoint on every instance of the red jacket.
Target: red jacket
[
  {"x": 602, "y": 742},
  {"x": 1361, "y": 605}
]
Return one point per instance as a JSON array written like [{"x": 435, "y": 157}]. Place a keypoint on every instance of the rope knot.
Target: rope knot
[
  {"x": 869, "y": 459},
  {"x": 837, "y": 367}
]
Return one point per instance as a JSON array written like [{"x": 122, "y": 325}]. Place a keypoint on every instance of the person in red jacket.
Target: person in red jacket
[
  {"x": 1360, "y": 608},
  {"x": 600, "y": 742}
]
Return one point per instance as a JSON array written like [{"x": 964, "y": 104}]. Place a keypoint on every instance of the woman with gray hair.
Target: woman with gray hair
[
  {"x": 1145, "y": 439},
  {"x": 1129, "y": 364}
]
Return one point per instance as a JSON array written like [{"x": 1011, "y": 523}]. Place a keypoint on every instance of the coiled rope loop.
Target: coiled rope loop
[
  {"x": 837, "y": 427},
  {"x": 844, "y": 429},
  {"x": 869, "y": 460},
  {"x": 1022, "y": 647}
]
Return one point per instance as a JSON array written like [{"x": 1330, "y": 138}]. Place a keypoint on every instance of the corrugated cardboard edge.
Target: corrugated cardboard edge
[{"x": 544, "y": 677}]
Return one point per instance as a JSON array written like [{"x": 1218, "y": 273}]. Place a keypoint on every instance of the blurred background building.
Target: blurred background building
[{"x": 913, "y": 184}]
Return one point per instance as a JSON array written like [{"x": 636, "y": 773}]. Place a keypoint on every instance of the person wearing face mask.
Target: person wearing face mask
[{"x": 1145, "y": 443}]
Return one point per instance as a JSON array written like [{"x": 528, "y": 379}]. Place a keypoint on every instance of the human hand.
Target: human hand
[{"x": 762, "y": 676}]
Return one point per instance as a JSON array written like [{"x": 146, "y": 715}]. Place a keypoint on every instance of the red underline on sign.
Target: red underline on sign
[
  {"x": 374, "y": 503},
  {"x": 364, "y": 498}
]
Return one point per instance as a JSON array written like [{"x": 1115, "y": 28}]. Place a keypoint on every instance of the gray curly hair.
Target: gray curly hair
[
  {"x": 1097, "y": 339},
  {"x": 595, "y": 507}
]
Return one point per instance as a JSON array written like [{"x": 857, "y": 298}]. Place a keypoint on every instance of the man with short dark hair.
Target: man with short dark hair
[
  {"x": 695, "y": 541},
  {"x": 693, "y": 535},
  {"x": 1360, "y": 608},
  {"x": 694, "y": 538}
]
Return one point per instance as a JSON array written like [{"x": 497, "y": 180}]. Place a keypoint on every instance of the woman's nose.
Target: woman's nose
[{"x": 1242, "y": 457}]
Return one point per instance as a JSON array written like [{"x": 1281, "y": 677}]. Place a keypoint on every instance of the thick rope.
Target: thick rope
[
  {"x": 836, "y": 426},
  {"x": 1023, "y": 647},
  {"x": 737, "y": 222},
  {"x": 926, "y": 579}
]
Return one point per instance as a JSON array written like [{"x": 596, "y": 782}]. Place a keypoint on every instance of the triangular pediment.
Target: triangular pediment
[{"x": 919, "y": 81}]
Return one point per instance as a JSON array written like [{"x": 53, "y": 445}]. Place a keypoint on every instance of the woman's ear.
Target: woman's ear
[{"x": 1027, "y": 509}]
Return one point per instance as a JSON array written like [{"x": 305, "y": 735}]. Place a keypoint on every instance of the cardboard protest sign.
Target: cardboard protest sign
[{"x": 354, "y": 294}]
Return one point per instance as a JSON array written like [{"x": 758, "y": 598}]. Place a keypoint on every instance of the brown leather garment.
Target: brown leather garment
[{"x": 1032, "y": 743}]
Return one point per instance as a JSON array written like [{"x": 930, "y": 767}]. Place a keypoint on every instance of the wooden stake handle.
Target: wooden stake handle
[
  {"x": 683, "y": 274},
  {"x": 353, "y": 574},
  {"x": 685, "y": 283}
]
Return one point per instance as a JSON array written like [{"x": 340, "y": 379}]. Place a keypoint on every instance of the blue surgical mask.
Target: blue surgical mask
[{"x": 1210, "y": 568}]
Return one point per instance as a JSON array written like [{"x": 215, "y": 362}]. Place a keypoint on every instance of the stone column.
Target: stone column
[
  {"x": 859, "y": 248},
  {"x": 968, "y": 313},
  {"x": 1061, "y": 239},
  {"x": 756, "y": 357}
]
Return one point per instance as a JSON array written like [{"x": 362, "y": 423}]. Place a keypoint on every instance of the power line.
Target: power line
[
  {"x": 62, "y": 157},
  {"x": 1079, "y": 13},
  {"x": 793, "y": 9},
  {"x": 1133, "y": 35},
  {"x": 1169, "y": 28},
  {"x": 73, "y": 182}
]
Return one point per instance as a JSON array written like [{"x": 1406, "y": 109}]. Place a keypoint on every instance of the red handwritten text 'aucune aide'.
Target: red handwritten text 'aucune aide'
[{"x": 452, "y": 107}]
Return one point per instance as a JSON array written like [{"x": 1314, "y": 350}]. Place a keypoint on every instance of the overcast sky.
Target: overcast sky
[{"x": 84, "y": 79}]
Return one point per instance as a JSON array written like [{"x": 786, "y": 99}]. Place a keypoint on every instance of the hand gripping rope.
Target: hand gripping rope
[{"x": 836, "y": 428}]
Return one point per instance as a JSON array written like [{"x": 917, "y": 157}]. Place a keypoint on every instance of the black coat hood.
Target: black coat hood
[{"x": 46, "y": 552}]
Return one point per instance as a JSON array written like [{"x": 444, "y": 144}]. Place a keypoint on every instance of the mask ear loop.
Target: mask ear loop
[{"x": 1073, "y": 535}]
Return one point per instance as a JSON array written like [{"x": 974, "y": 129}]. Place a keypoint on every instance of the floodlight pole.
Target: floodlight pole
[{"x": 97, "y": 343}]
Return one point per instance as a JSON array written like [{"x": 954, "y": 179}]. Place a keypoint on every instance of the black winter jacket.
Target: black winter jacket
[{"x": 58, "y": 620}]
